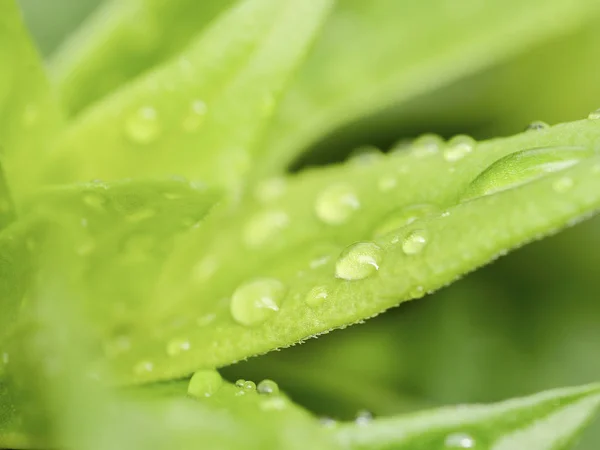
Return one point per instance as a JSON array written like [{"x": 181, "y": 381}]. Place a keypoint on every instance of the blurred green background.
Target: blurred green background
[{"x": 529, "y": 321}]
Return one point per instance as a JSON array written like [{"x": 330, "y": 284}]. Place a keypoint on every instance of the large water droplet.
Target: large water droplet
[
  {"x": 405, "y": 216},
  {"x": 427, "y": 144},
  {"x": 204, "y": 383},
  {"x": 177, "y": 346},
  {"x": 195, "y": 116},
  {"x": 316, "y": 296},
  {"x": 267, "y": 387},
  {"x": 458, "y": 147},
  {"x": 358, "y": 261},
  {"x": 143, "y": 126},
  {"x": 459, "y": 440},
  {"x": 522, "y": 167},
  {"x": 594, "y": 115},
  {"x": 336, "y": 204},
  {"x": 414, "y": 242},
  {"x": 256, "y": 301},
  {"x": 537, "y": 125},
  {"x": 262, "y": 227}
]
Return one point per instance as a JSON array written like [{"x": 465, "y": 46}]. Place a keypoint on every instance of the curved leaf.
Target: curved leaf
[
  {"x": 123, "y": 39},
  {"x": 200, "y": 115},
  {"x": 549, "y": 420},
  {"x": 289, "y": 250}
]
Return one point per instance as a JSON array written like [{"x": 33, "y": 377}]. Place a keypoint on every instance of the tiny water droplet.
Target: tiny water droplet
[
  {"x": 204, "y": 383},
  {"x": 563, "y": 184},
  {"x": 240, "y": 383},
  {"x": 386, "y": 183},
  {"x": 358, "y": 261},
  {"x": 594, "y": 115},
  {"x": 143, "y": 368},
  {"x": 363, "y": 418},
  {"x": 143, "y": 126},
  {"x": 262, "y": 227},
  {"x": 404, "y": 216},
  {"x": 414, "y": 242},
  {"x": 249, "y": 386},
  {"x": 365, "y": 155},
  {"x": 458, "y": 147},
  {"x": 195, "y": 116},
  {"x": 320, "y": 261},
  {"x": 459, "y": 440},
  {"x": 178, "y": 346},
  {"x": 316, "y": 296},
  {"x": 537, "y": 125},
  {"x": 256, "y": 301},
  {"x": 426, "y": 145},
  {"x": 336, "y": 204},
  {"x": 267, "y": 387},
  {"x": 270, "y": 189},
  {"x": 523, "y": 167}
]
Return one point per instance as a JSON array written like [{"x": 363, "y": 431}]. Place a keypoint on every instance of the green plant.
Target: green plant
[{"x": 152, "y": 232}]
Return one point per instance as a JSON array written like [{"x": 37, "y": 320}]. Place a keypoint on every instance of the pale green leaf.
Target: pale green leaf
[{"x": 202, "y": 114}]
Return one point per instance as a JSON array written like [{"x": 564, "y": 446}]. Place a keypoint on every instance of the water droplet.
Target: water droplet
[
  {"x": 459, "y": 440},
  {"x": 143, "y": 126},
  {"x": 316, "y": 296},
  {"x": 274, "y": 403},
  {"x": 177, "y": 346},
  {"x": 267, "y": 387},
  {"x": 563, "y": 184},
  {"x": 269, "y": 190},
  {"x": 537, "y": 125},
  {"x": 320, "y": 261},
  {"x": 256, "y": 301},
  {"x": 594, "y": 115},
  {"x": 426, "y": 145},
  {"x": 522, "y": 167},
  {"x": 358, "y": 261},
  {"x": 143, "y": 368},
  {"x": 386, "y": 183},
  {"x": 240, "y": 383},
  {"x": 414, "y": 242},
  {"x": 204, "y": 383},
  {"x": 327, "y": 422},
  {"x": 363, "y": 418},
  {"x": 336, "y": 204},
  {"x": 458, "y": 147},
  {"x": 262, "y": 227},
  {"x": 364, "y": 155},
  {"x": 195, "y": 116},
  {"x": 249, "y": 386},
  {"x": 405, "y": 216}
]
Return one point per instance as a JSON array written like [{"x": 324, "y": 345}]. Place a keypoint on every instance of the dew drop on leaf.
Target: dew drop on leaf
[
  {"x": 267, "y": 387},
  {"x": 249, "y": 386},
  {"x": 336, "y": 204},
  {"x": 143, "y": 367},
  {"x": 404, "y": 216},
  {"x": 274, "y": 403},
  {"x": 594, "y": 115},
  {"x": 316, "y": 296},
  {"x": 256, "y": 301},
  {"x": 178, "y": 346},
  {"x": 263, "y": 226},
  {"x": 537, "y": 125},
  {"x": 363, "y": 418},
  {"x": 365, "y": 155},
  {"x": 522, "y": 167},
  {"x": 143, "y": 126},
  {"x": 459, "y": 440},
  {"x": 195, "y": 116},
  {"x": 563, "y": 184},
  {"x": 427, "y": 144},
  {"x": 327, "y": 422},
  {"x": 204, "y": 383},
  {"x": 458, "y": 147},
  {"x": 240, "y": 383},
  {"x": 358, "y": 261},
  {"x": 414, "y": 242}
]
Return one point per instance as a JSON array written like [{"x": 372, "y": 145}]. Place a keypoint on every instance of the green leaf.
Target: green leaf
[
  {"x": 406, "y": 208},
  {"x": 121, "y": 40},
  {"x": 29, "y": 116},
  {"x": 202, "y": 114},
  {"x": 400, "y": 51},
  {"x": 7, "y": 209},
  {"x": 548, "y": 420}
]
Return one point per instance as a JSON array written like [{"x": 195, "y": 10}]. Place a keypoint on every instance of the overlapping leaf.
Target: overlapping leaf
[{"x": 200, "y": 115}]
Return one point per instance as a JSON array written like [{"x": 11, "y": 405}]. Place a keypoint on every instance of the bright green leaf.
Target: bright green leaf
[
  {"x": 123, "y": 39},
  {"x": 202, "y": 114},
  {"x": 550, "y": 420},
  {"x": 288, "y": 254}
]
